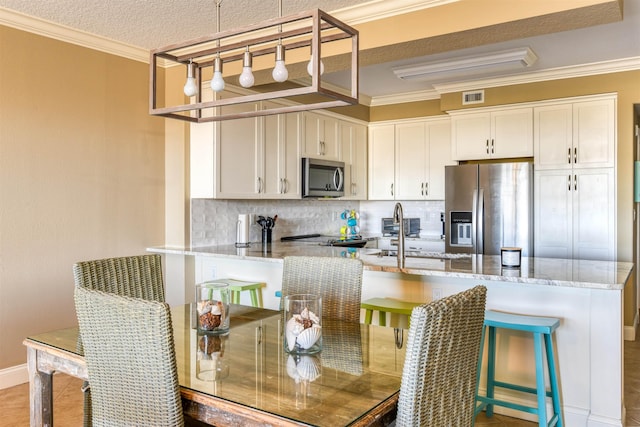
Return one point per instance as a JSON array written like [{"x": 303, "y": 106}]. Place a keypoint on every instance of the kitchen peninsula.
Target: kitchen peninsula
[{"x": 586, "y": 295}]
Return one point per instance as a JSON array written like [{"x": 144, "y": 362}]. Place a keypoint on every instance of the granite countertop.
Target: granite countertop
[{"x": 539, "y": 271}]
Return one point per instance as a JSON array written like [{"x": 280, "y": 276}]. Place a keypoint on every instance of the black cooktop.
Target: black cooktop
[{"x": 352, "y": 241}]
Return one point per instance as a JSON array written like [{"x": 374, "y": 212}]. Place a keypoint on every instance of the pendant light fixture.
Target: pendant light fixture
[
  {"x": 246, "y": 77},
  {"x": 190, "y": 87},
  {"x": 280, "y": 72},
  {"x": 217, "y": 82},
  {"x": 295, "y": 33}
]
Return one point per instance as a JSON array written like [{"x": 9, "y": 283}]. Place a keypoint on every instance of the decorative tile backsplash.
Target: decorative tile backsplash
[{"x": 213, "y": 222}]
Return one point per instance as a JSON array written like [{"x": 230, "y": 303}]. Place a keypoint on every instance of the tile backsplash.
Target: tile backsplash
[{"x": 213, "y": 222}]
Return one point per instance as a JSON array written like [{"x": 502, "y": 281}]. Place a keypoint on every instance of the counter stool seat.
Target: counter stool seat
[
  {"x": 542, "y": 329},
  {"x": 384, "y": 306},
  {"x": 237, "y": 286}
]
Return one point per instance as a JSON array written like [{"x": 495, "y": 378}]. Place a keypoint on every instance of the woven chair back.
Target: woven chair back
[
  {"x": 131, "y": 363},
  {"x": 337, "y": 280},
  {"x": 439, "y": 374},
  {"x": 134, "y": 276}
]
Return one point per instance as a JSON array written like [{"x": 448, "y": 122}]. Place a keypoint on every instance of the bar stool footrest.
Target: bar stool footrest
[{"x": 520, "y": 388}]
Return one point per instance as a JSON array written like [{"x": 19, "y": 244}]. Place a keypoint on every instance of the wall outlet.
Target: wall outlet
[
  {"x": 214, "y": 272},
  {"x": 436, "y": 294}
]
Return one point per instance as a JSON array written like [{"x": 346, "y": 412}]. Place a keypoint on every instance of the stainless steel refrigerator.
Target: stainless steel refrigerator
[{"x": 489, "y": 206}]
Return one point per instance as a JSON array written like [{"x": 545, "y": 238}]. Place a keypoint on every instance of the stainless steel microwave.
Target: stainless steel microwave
[{"x": 322, "y": 178}]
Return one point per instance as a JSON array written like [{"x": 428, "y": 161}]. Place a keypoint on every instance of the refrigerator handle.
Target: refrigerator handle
[
  {"x": 474, "y": 220},
  {"x": 480, "y": 220}
]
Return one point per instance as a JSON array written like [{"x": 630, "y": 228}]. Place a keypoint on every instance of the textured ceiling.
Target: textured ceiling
[
  {"x": 559, "y": 40},
  {"x": 154, "y": 23}
]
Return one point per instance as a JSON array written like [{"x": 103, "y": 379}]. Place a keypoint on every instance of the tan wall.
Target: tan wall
[
  {"x": 81, "y": 176},
  {"x": 625, "y": 84}
]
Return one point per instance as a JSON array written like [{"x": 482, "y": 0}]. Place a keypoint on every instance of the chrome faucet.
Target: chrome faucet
[{"x": 398, "y": 217}]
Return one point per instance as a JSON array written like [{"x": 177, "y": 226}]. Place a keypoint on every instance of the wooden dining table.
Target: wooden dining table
[{"x": 247, "y": 378}]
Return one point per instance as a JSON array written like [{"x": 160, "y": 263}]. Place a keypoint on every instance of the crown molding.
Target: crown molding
[
  {"x": 63, "y": 33},
  {"x": 381, "y": 9},
  {"x": 583, "y": 70}
]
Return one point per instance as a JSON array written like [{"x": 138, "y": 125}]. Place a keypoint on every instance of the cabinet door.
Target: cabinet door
[
  {"x": 281, "y": 155},
  {"x": 381, "y": 162},
  {"x": 320, "y": 136},
  {"x": 553, "y": 212},
  {"x": 553, "y": 136},
  {"x": 359, "y": 163},
  {"x": 575, "y": 213},
  {"x": 512, "y": 133},
  {"x": 471, "y": 135},
  {"x": 594, "y": 133},
  {"x": 439, "y": 138},
  {"x": 202, "y": 156},
  {"x": 411, "y": 153},
  {"x": 238, "y": 156},
  {"x": 594, "y": 214},
  {"x": 291, "y": 175},
  {"x": 353, "y": 143}
]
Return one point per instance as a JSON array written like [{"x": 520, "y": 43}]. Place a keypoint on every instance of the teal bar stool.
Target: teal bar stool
[
  {"x": 384, "y": 306},
  {"x": 542, "y": 329},
  {"x": 238, "y": 286}
]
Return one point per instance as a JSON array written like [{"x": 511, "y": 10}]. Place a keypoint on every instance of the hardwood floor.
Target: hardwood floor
[{"x": 14, "y": 401}]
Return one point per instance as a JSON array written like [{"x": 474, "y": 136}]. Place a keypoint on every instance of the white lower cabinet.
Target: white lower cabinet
[{"x": 575, "y": 213}]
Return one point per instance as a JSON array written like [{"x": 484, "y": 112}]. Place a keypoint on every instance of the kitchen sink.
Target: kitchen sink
[{"x": 419, "y": 254}]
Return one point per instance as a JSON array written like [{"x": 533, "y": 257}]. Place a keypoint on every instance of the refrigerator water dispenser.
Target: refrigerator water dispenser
[{"x": 460, "y": 232}]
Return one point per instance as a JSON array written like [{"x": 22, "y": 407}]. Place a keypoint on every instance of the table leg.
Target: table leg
[{"x": 40, "y": 392}]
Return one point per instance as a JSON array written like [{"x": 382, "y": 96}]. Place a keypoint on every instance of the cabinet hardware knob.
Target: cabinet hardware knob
[{"x": 569, "y": 155}]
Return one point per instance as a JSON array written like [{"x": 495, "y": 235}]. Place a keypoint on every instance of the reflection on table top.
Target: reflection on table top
[{"x": 360, "y": 366}]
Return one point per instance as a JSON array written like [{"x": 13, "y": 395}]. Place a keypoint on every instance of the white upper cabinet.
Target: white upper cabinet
[
  {"x": 381, "y": 162},
  {"x": 247, "y": 158},
  {"x": 575, "y": 134},
  {"x": 281, "y": 155},
  {"x": 320, "y": 136},
  {"x": 492, "y": 134},
  {"x": 407, "y": 160},
  {"x": 353, "y": 143}
]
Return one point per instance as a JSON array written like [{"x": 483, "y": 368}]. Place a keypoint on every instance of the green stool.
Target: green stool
[
  {"x": 237, "y": 286},
  {"x": 384, "y": 306},
  {"x": 542, "y": 329}
]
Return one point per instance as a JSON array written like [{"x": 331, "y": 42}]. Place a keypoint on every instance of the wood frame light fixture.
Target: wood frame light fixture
[{"x": 270, "y": 37}]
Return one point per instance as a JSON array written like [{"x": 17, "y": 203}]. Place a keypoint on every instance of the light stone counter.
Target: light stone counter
[
  {"x": 534, "y": 271},
  {"x": 587, "y": 297}
]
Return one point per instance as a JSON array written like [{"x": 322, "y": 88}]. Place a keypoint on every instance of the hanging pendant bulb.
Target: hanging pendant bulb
[
  {"x": 246, "y": 77},
  {"x": 217, "y": 82},
  {"x": 311, "y": 67},
  {"x": 280, "y": 73},
  {"x": 190, "y": 87}
]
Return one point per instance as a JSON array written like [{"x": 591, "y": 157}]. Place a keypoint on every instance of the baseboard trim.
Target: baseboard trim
[
  {"x": 13, "y": 376},
  {"x": 630, "y": 331}
]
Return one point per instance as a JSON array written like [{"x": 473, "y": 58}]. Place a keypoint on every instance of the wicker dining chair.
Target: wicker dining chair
[
  {"x": 439, "y": 374},
  {"x": 337, "y": 280},
  {"x": 137, "y": 276},
  {"x": 131, "y": 362}
]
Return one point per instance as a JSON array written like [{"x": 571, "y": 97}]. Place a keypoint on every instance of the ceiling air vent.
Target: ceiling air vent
[{"x": 474, "y": 97}]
